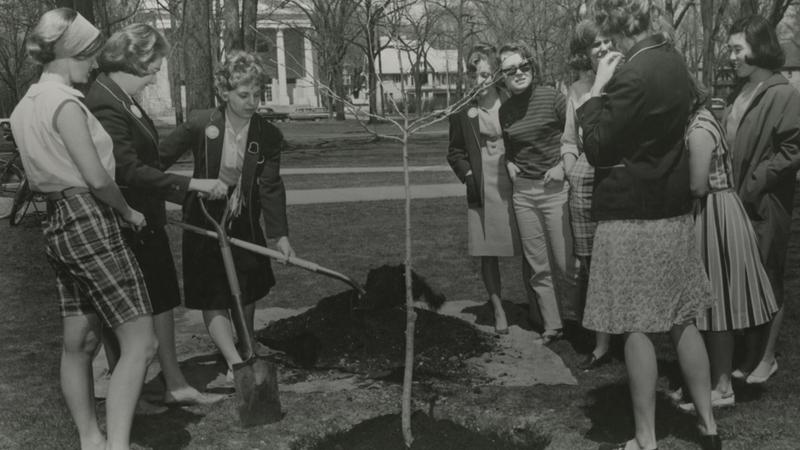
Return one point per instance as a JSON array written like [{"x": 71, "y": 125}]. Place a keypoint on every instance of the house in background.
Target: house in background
[
  {"x": 288, "y": 55},
  {"x": 438, "y": 75}
]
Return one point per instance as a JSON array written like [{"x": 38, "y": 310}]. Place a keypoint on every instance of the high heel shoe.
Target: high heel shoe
[{"x": 710, "y": 442}]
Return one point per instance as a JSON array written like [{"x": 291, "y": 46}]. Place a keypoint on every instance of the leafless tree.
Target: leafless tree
[{"x": 198, "y": 60}]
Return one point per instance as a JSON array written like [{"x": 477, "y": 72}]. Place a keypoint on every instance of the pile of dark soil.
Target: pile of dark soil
[
  {"x": 429, "y": 434},
  {"x": 367, "y": 335}
]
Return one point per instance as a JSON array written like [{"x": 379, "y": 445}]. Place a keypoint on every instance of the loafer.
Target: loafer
[
  {"x": 592, "y": 362},
  {"x": 754, "y": 378}
]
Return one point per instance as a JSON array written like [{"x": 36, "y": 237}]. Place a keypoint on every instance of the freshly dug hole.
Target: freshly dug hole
[{"x": 370, "y": 339}]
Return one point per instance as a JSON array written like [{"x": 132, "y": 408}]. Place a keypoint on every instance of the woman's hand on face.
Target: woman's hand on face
[
  {"x": 605, "y": 70},
  {"x": 212, "y": 188}
]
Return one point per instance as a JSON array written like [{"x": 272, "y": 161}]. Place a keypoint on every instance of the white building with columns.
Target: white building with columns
[{"x": 281, "y": 42}]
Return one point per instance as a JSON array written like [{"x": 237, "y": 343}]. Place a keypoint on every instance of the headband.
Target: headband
[{"x": 75, "y": 38}]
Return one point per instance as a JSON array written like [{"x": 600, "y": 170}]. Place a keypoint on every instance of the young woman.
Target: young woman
[
  {"x": 764, "y": 137},
  {"x": 476, "y": 154},
  {"x": 586, "y": 49},
  {"x": 533, "y": 122},
  {"x": 236, "y": 145},
  {"x": 129, "y": 62},
  {"x": 728, "y": 246},
  {"x": 69, "y": 157},
  {"x": 646, "y": 272}
]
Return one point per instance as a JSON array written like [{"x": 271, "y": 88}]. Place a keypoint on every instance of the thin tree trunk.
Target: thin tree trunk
[
  {"x": 249, "y": 20},
  {"x": 232, "y": 34},
  {"x": 197, "y": 55},
  {"x": 707, "y": 19},
  {"x": 175, "y": 59}
]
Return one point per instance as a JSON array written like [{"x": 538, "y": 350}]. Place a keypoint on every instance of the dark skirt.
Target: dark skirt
[{"x": 152, "y": 251}]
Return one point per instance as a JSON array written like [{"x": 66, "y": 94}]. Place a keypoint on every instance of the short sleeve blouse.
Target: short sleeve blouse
[{"x": 48, "y": 165}]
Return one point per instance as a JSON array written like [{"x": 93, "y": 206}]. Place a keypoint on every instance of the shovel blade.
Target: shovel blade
[{"x": 257, "y": 396}]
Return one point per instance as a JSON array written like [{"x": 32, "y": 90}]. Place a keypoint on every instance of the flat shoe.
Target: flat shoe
[
  {"x": 739, "y": 374},
  {"x": 758, "y": 379},
  {"x": 718, "y": 400},
  {"x": 593, "y": 362},
  {"x": 501, "y": 330},
  {"x": 196, "y": 398}
]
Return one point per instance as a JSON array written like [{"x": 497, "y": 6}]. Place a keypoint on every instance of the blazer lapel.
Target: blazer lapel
[
  {"x": 214, "y": 135},
  {"x": 131, "y": 108}
]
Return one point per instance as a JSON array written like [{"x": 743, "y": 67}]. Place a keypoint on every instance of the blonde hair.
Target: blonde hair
[
  {"x": 52, "y": 25},
  {"x": 237, "y": 69},
  {"x": 132, "y": 49}
]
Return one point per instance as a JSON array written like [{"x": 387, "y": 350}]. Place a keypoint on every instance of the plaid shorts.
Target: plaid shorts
[{"x": 96, "y": 272}]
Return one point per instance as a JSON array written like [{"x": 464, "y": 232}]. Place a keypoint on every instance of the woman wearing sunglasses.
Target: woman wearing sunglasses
[
  {"x": 476, "y": 154},
  {"x": 533, "y": 122},
  {"x": 647, "y": 275},
  {"x": 242, "y": 149}
]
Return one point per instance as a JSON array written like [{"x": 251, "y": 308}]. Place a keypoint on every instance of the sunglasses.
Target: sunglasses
[{"x": 524, "y": 68}]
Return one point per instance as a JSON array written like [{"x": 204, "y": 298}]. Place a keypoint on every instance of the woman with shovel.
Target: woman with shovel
[{"x": 243, "y": 150}]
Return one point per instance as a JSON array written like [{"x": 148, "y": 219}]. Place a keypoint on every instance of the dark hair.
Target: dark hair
[
  {"x": 700, "y": 95},
  {"x": 481, "y": 52},
  {"x": 766, "y": 51},
  {"x": 582, "y": 41},
  {"x": 625, "y": 17},
  {"x": 132, "y": 49}
]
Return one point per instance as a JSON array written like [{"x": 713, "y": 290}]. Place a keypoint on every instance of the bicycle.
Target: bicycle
[{"x": 16, "y": 196}]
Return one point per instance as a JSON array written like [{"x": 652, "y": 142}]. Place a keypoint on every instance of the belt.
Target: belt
[{"x": 65, "y": 193}]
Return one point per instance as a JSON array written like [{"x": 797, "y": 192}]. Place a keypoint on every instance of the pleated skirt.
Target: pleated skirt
[{"x": 742, "y": 292}]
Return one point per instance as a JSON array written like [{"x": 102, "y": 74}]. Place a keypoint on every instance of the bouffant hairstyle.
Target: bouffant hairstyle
[
  {"x": 132, "y": 49},
  {"x": 42, "y": 40},
  {"x": 582, "y": 41},
  {"x": 623, "y": 17},
  {"x": 766, "y": 51},
  {"x": 239, "y": 68},
  {"x": 481, "y": 52}
]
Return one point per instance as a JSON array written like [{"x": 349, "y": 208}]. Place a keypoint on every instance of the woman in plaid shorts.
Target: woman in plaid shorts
[
  {"x": 68, "y": 157},
  {"x": 586, "y": 49}
]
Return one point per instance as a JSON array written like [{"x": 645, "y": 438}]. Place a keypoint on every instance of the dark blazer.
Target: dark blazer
[
  {"x": 140, "y": 166},
  {"x": 464, "y": 153},
  {"x": 634, "y": 136},
  {"x": 203, "y": 134},
  {"x": 766, "y": 157}
]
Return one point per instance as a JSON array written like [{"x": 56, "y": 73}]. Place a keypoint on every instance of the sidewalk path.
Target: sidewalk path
[{"x": 361, "y": 194}]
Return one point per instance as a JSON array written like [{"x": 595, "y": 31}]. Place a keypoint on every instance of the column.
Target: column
[
  {"x": 283, "y": 91},
  {"x": 308, "y": 65}
]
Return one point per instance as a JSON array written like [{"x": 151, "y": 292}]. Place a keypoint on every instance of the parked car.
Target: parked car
[
  {"x": 272, "y": 115},
  {"x": 309, "y": 113},
  {"x": 717, "y": 107}
]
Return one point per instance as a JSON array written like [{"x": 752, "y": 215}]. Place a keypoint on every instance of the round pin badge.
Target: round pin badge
[
  {"x": 472, "y": 112},
  {"x": 212, "y": 132},
  {"x": 136, "y": 111}
]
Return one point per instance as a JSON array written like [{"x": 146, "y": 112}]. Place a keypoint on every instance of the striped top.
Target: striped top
[
  {"x": 720, "y": 176},
  {"x": 533, "y": 122}
]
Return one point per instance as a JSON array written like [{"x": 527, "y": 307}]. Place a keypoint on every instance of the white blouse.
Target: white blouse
[{"x": 48, "y": 165}]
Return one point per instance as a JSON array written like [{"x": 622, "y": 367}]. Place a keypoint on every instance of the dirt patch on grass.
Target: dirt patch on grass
[{"x": 367, "y": 335}]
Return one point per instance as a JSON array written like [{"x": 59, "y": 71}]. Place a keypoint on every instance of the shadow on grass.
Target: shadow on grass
[
  {"x": 151, "y": 431},
  {"x": 516, "y": 313},
  {"x": 385, "y": 433}
]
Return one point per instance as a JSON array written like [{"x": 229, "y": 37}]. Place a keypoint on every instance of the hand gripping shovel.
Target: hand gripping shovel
[{"x": 256, "y": 380}]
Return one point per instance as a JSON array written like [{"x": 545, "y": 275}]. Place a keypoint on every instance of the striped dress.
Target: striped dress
[{"x": 742, "y": 292}]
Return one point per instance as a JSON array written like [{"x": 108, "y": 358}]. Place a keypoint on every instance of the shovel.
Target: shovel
[{"x": 256, "y": 380}]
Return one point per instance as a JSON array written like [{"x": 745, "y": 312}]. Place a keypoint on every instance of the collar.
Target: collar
[
  {"x": 648, "y": 43},
  {"x": 128, "y": 104},
  {"x": 46, "y": 85}
]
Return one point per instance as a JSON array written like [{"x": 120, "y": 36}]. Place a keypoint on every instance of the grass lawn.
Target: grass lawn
[{"x": 353, "y": 238}]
